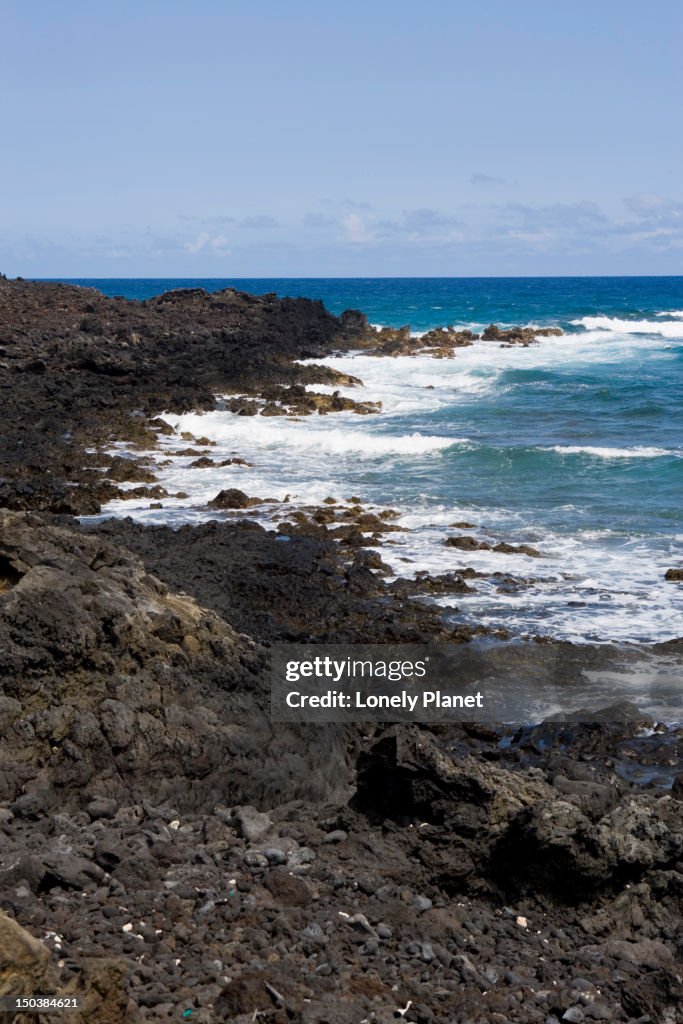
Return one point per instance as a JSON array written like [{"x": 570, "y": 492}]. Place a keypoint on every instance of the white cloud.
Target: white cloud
[
  {"x": 357, "y": 231},
  {"x": 493, "y": 238},
  {"x": 421, "y": 225},
  {"x": 205, "y": 243}
]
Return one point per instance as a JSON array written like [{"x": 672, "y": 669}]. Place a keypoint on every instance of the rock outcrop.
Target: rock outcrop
[
  {"x": 115, "y": 686},
  {"x": 524, "y": 336},
  {"x": 87, "y": 366},
  {"x": 441, "y": 342}
]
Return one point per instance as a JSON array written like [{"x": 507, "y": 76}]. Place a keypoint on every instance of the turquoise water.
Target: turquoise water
[{"x": 574, "y": 445}]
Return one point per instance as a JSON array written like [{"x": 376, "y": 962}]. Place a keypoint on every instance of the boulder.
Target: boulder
[
  {"x": 554, "y": 845},
  {"x": 232, "y": 498},
  {"x": 465, "y": 543},
  {"x": 407, "y": 773},
  {"x": 25, "y": 967}
]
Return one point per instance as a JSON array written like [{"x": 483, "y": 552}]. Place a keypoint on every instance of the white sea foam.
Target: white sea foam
[
  {"x": 665, "y": 328},
  {"x": 411, "y": 383},
  {"x": 593, "y": 584},
  {"x": 475, "y": 370},
  {"x": 270, "y": 433},
  {"x": 671, "y": 312},
  {"x": 638, "y": 452}
]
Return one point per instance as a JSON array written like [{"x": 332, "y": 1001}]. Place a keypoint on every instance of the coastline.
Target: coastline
[{"x": 139, "y": 701}]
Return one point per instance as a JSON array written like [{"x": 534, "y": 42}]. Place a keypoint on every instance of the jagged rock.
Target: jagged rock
[
  {"x": 517, "y": 549},
  {"x": 234, "y": 498},
  {"x": 87, "y": 366},
  {"x": 464, "y": 543},
  {"x": 251, "y": 824},
  {"x": 25, "y": 967},
  {"x": 447, "y": 338},
  {"x": 519, "y": 335},
  {"x": 407, "y": 773},
  {"x": 426, "y": 583},
  {"x": 121, "y": 470},
  {"x": 282, "y": 592},
  {"x": 125, "y": 690},
  {"x": 554, "y": 844},
  {"x": 101, "y": 983},
  {"x": 297, "y": 400},
  {"x": 389, "y": 341}
]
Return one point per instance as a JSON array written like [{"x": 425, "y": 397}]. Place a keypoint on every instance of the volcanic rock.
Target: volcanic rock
[
  {"x": 519, "y": 335},
  {"x": 24, "y": 961},
  {"x": 234, "y": 498},
  {"x": 123, "y": 689}
]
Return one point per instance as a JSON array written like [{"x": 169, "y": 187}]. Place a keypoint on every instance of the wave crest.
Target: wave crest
[
  {"x": 638, "y": 452},
  {"x": 666, "y": 328},
  {"x": 223, "y": 426}
]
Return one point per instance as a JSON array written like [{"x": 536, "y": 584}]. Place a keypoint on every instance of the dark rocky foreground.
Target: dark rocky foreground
[{"x": 168, "y": 853}]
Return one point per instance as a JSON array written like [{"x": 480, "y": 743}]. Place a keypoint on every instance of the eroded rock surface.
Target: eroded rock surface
[{"x": 115, "y": 686}]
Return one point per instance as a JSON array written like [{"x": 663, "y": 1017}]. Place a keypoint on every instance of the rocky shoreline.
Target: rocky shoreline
[{"x": 167, "y": 852}]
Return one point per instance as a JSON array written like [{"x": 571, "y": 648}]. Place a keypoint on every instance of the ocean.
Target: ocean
[{"x": 573, "y": 445}]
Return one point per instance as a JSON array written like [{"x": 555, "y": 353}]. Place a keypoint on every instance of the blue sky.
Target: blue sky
[{"x": 357, "y": 139}]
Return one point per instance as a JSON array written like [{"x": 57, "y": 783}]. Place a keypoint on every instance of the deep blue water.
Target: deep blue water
[
  {"x": 575, "y": 443},
  {"x": 425, "y": 302}
]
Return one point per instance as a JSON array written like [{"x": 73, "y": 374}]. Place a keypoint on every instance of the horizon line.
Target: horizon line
[{"x": 346, "y": 277}]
